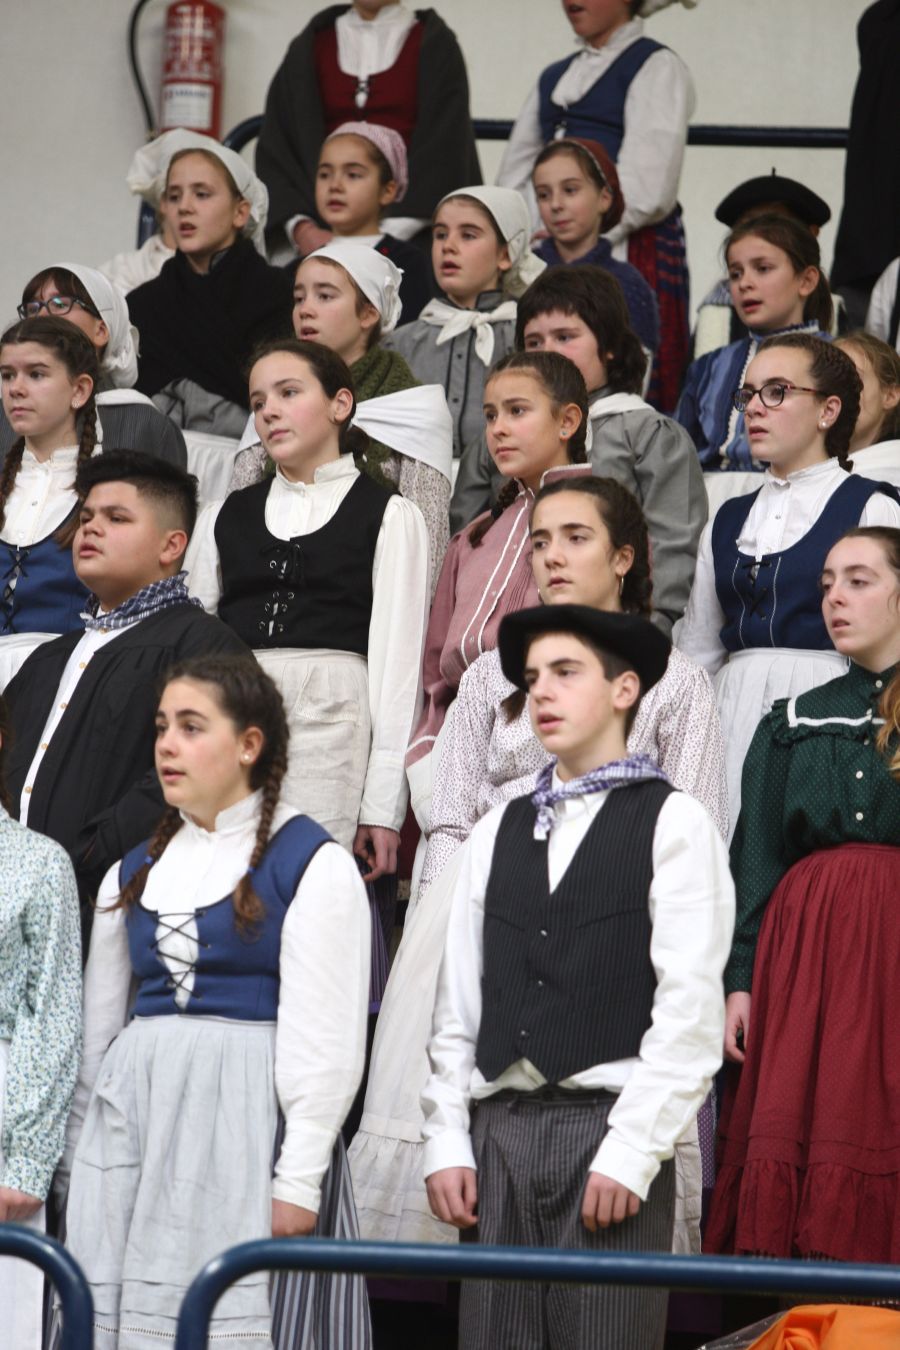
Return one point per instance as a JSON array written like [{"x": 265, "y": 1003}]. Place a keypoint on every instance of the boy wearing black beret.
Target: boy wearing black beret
[{"x": 579, "y": 1013}]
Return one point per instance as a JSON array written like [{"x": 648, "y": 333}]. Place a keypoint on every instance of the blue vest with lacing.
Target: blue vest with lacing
[
  {"x": 39, "y": 591},
  {"x": 235, "y": 972},
  {"x": 600, "y": 114},
  {"x": 776, "y": 602}
]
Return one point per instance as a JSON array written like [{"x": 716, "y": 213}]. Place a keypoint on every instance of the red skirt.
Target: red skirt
[{"x": 809, "y": 1139}]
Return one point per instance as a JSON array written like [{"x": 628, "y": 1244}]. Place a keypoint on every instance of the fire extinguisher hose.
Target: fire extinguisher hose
[{"x": 149, "y": 116}]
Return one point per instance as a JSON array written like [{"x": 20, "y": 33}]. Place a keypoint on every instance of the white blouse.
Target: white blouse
[
  {"x": 691, "y": 903},
  {"x": 324, "y": 971},
  {"x": 400, "y": 597},
  {"x": 784, "y": 511},
  {"x": 42, "y": 497},
  {"x": 658, "y": 107}
]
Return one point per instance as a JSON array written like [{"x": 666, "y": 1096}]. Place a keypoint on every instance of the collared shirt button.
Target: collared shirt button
[
  {"x": 859, "y": 773},
  {"x": 63, "y": 706},
  {"x": 879, "y": 684},
  {"x": 543, "y": 932},
  {"x": 866, "y": 741},
  {"x": 45, "y": 745},
  {"x": 28, "y": 789},
  {"x": 82, "y": 665},
  {"x": 859, "y": 815}
]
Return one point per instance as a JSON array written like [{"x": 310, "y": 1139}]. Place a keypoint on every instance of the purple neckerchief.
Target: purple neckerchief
[{"x": 621, "y": 772}]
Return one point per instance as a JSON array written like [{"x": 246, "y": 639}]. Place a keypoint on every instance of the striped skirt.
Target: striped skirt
[{"x": 659, "y": 253}]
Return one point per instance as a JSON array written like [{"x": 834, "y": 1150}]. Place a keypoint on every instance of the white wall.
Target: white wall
[{"x": 71, "y": 119}]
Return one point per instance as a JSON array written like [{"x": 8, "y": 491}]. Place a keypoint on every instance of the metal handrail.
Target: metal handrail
[
  {"x": 66, "y": 1275},
  {"x": 498, "y": 129},
  {"x": 720, "y": 1274}
]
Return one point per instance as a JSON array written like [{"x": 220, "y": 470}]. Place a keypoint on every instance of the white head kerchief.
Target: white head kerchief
[
  {"x": 119, "y": 363},
  {"x": 147, "y": 175},
  {"x": 375, "y": 275},
  {"x": 508, "y": 209},
  {"x": 415, "y": 422}
]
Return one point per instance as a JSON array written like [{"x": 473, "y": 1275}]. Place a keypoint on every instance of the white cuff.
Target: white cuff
[{"x": 450, "y": 1148}]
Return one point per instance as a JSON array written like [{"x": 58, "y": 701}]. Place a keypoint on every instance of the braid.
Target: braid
[
  {"x": 65, "y": 535},
  {"x": 165, "y": 832},
  {"x": 508, "y": 494},
  {"x": 248, "y": 908},
  {"x": 11, "y": 466}
]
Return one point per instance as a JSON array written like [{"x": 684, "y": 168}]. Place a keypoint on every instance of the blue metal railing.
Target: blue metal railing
[
  {"x": 64, "y": 1273},
  {"x": 494, "y": 129},
  {"x": 825, "y": 1281}
]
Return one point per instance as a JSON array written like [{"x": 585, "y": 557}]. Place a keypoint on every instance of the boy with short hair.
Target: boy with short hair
[
  {"x": 580, "y": 1004},
  {"x": 81, "y": 766}
]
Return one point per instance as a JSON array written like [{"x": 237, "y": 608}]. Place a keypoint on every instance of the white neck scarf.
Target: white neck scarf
[
  {"x": 366, "y": 47},
  {"x": 453, "y": 321}
]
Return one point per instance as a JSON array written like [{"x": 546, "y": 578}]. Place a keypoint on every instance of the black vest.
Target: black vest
[
  {"x": 311, "y": 591},
  {"x": 567, "y": 979}
]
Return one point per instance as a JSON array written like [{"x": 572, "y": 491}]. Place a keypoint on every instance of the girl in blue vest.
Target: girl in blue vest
[
  {"x": 49, "y": 373},
  {"x": 635, "y": 97},
  {"x": 246, "y": 1034},
  {"x": 777, "y": 286},
  {"x": 754, "y": 618}
]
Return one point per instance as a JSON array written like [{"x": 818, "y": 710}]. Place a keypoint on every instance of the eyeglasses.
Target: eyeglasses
[
  {"x": 771, "y": 394},
  {"x": 57, "y": 306}
]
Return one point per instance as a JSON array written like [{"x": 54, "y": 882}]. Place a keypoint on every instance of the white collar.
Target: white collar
[
  {"x": 342, "y": 467},
  {"x": 811, "y": 473},
  {"x": 392, "y": 16},
  {"x": 60, "y": 459},
  {"x": 233, "y": 820}
]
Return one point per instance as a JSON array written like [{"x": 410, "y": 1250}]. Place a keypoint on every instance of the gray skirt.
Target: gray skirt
[{"x": 173, "y": 1166}]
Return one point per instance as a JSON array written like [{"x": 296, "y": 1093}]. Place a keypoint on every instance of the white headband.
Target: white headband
[
  {"x": 150, "y": 167},
  {"x": 119, "y": 361},
  {"x": 375, "y": 275}
]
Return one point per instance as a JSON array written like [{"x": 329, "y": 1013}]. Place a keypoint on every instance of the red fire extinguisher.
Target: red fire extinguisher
[{"x": 193, "y": 62}]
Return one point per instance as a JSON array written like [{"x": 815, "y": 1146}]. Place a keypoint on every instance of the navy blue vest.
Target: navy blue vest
[
  {"x": 48, "y": 597},
  {"x": 600, "y": 114},
  {"x": 236, "y": 974},
  {"x": 781, "y": 606}
]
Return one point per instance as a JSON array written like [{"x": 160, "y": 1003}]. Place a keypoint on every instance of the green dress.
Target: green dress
[{"x": 809, "y": 1138}]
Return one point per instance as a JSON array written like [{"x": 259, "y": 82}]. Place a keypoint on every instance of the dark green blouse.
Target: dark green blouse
[{"x": 813, "y": 778}]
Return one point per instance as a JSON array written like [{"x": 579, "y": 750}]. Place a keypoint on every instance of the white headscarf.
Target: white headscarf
[
  {"x": 375, "y": 275},
  {"x": 119, "y": 361},
  {"x": 508, "y": 209},
  {"x": 147, "y": 175}
]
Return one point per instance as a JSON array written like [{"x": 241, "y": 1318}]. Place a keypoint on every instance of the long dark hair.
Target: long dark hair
[
  {"x": 626, "y": 526},
  {"x": 888, "y": 738},
  {"x": 801, "y": 247},
  {"x": 562, "y": 382},
  {"x": 832, "y": 372},
  {"x": 249, "y": 698},
  {"x": 79, "y": 356}
]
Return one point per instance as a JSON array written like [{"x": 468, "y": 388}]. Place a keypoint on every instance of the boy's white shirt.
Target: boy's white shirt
[{"x": 692, "y": 907}]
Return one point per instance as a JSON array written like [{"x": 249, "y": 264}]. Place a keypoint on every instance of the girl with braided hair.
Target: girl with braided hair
[
  {"x": 49, "y": 373},
  {"x": 536, "y": 415},
  {"x": 247, "y": 1031},
  {"x": 754, "y": 617},
  {"x": 590, "y": 546}
]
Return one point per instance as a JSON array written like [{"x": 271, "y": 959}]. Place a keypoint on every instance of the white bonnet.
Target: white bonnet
[
  {"x": 375, "y": 275},
  {"x": 147, "y": 175},
  {"x": 509, "y": 210},
  {"x": 119, "y": 362}
]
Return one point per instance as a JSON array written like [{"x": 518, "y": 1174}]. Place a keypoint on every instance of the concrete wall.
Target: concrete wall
[{"x": 71, "y": 118}]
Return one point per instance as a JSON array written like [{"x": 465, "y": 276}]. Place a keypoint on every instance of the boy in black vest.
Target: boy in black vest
[{"x": 579, "y": 1014}]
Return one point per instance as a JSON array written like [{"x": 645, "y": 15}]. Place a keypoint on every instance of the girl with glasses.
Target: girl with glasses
[
  {"x": 754, "y": 618},
  {"x": 777, "y": 286},
  {"x": 85, "y": 298}
]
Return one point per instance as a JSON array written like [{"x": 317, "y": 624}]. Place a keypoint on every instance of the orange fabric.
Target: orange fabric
[{"x": 829, "y": 1326}]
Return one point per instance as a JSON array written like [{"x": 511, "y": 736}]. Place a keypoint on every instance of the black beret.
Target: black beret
[
  {"x": 758, "y": 192},
  {"x": 636, "y": 640}
]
